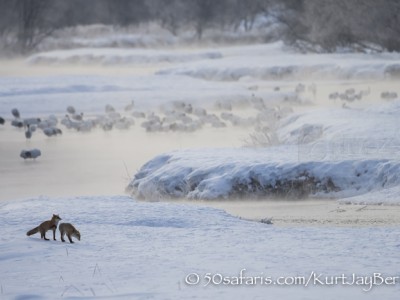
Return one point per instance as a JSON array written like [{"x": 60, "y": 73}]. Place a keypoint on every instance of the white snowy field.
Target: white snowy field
[{"x": 136, "y": 250}]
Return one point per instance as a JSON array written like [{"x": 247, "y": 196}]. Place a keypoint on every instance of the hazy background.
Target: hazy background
[{"x": 311, "y": 25}]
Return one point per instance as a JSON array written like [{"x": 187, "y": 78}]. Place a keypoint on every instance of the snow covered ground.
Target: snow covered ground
[
  {"x": 120, "y": 56},
  {"x": 274, "y": 62},
  {"x": 152, "y": 35},
  {"x": 136, "y": 250},
  {"x": 266, "y": 62}
]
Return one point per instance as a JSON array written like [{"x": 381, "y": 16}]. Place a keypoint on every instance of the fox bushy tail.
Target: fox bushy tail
[{"x": 33, "y": 231}]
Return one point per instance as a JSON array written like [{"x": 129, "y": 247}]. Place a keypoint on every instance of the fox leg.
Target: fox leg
[
  {"x": 70, "y": 240},
  {"x": 62, "y": 237},
  {"x": 54, "y": 233},
  {"x": 43, "y": 234}
]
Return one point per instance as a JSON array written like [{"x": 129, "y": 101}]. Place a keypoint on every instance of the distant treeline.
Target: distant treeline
[{"x": 314, "y": 25}]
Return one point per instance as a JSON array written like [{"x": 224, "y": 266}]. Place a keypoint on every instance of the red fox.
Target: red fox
[
  {"x": 69, "y": 230},
  {"x": 45, "y": 226}
]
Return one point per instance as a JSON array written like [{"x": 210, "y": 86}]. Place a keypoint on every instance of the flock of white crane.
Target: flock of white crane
[{"x": 177, "y": 116}]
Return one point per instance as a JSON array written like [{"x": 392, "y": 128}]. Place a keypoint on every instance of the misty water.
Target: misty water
[{"x": 93, "y": 163}]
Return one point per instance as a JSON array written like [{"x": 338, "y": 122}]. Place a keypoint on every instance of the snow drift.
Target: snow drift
[
  {"x": 272, "y": 61},
  {"x": 276, "y": 62},
  {"x": 107, "y": 56},
  {"x": 371, "y": 132},
  {"x": 324, "y": 152},
  {"x": 245, "y": 173}
]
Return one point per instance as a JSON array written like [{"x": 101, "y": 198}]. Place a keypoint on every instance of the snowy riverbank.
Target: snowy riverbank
[
  {"x": 331, "y": 153},
  {"x": 248, "y": 173}
]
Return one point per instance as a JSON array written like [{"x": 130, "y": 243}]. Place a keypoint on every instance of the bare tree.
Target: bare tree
[
  {"x": 245, "y": 12},
  {"x": 314, "y": 24},
  {"x": 171, "y": 14},
  {"x": 32, "y": 25},
  {"x": 358, "y": 24},
  {"x": 204, "y": 12}
]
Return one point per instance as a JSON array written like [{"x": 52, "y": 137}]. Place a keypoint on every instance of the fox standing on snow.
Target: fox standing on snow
[
  {"x": 69, "y": 230},
  {"x": 45, "y": 226}
]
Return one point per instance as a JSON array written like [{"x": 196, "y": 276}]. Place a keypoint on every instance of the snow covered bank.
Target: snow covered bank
[
  {"x": 272, "y": 61},
  {"x": 322, "y": 152},
  {"x": 134, "y": 250},
  {"x": 247, "y": 173},
  {"x": 151, "y": 35},
  {"x": 40, "y": 95},
  {"x": 275, "y": 62},
  {"x": 371, "y": 132},
  {"x": 112, "y": 56}
]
